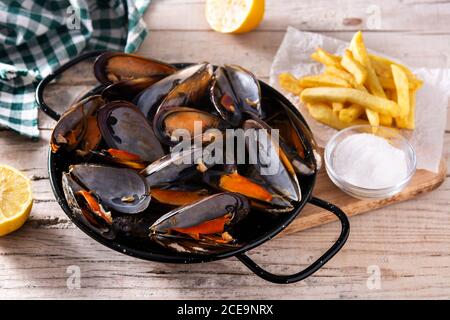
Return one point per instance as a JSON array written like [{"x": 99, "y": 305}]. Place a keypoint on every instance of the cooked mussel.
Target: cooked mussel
[
  {"x": 121, "y": 158},
  {"x": 260, "y": 194},
  {"x": 149, "y": 100},
  {"x": 178, "y": 195},
  {"x": 307, "y": 139},
  {"x": 176, "y": 166},
  {"x": 190, "y": 91},
  {"x": 269, "y": 160},
  {"x": 119, "y": 189},
  {"x": 77, "y": 129},
  {"x": 169, "y": 122},
  {"x": 295, "y": 137},
  {"x": 125, "y": 128},
  {"x": 112, "y": 67},
  {"x": 87, "y": 207},
  {"x": 202, "y": 227},
  {"x": 128, "y": 89},
  {"x": 234, "y": 92},
  {"x": 292, "y": 144}
]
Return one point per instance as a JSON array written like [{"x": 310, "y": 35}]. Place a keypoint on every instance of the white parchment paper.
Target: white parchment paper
[{"x": 431, "y": 102}]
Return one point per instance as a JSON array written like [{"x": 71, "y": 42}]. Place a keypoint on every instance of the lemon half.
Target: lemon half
[
  {"x": 234, "y": 16},
  {"x": 16, "y": 199}
]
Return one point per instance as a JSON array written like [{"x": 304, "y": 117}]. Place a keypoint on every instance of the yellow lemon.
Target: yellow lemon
[
  {"x": 234, "y": 16},
  {"x": 16, "y": 199}
]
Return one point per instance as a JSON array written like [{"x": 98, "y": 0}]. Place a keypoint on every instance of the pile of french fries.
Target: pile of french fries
[{"x": 357, "y": 88}]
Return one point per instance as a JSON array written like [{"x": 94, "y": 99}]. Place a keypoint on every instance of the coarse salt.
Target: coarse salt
[{"x": 368, "y": 161}]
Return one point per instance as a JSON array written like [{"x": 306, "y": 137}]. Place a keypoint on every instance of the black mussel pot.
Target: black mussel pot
[{"x": 256, "y": 234}]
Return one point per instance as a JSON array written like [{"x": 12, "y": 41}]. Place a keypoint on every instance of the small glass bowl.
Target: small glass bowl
[{"x": 394, "y": 137}]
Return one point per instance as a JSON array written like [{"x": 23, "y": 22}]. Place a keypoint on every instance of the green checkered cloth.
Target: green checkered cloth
[{"x": 37, "y": 36}]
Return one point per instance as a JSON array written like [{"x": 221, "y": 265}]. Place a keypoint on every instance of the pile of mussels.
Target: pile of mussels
[{"x": 123, "y": 179}]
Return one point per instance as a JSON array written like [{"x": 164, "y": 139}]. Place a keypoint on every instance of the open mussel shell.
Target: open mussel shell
[
  {"x": 190, "y": 91},
  {"x": 75, "y": 202},
  {"x": 175, "y": 166},
  {"x": 259, "y": 193},
  {"x": 307, "y": 139},
  {"x": 224, "y": 99},
  {"x": 128, "y": 89},
  {"x": 120, "y": 158},
  {"x": 190, "y": 228},
  {"x": 149, "y": 100},
  {"x": 77, "y": 127},
  {"x": 295, "y": 136},
  {"x": 236, "y": 91},
  {"x": 270, "y": 161},
  {"x": 119, "y": 189},
  {"x": 179, "y": 195},
  {"x": 246, "y": 88},
  {"x": 292, "y": 144},
  {"x": 172, "y": 123},
  {"x": 112, "y": 67},
  {"x": 124, "y": 127}
]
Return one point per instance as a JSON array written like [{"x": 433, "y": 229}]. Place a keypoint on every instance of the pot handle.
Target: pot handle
[
  {"x": 345, "y": 230},
  {"x": 44, "y": 82}
]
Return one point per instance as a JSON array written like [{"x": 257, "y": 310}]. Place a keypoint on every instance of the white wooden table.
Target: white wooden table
[{"x": 408, "y": 243}]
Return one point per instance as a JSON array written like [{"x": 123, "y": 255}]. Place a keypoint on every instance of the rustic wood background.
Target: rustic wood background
[{"x": 407, "y": 242}]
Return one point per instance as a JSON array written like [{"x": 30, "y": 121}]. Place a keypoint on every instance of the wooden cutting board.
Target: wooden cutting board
[{"x": 312, "y": 216}]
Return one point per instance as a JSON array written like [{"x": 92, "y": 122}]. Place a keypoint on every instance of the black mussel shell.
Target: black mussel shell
[
  {"x": 112, "y": 67},
  {"x": 168, "y": 120},
  {"x": 70, "y": 189},
  {"x": 119, "y": 189},
  {"x": 246, "y": 89},
  {"x": 128, "y": 89},
  {"x": 260, "y": 194},
  {"x": 176, "y": 166},
  {"x": 75, "y": 125},
  {"x": 190, "y": 91},
  {"x": 125, "y": 128},
  {"x": 212, "y": 207},
  {"x": 223, "y": 98},
  {"x": 272, "y": 164},
  {"x": 236, "y": 91},
  {"x": 149, "y": 100}
]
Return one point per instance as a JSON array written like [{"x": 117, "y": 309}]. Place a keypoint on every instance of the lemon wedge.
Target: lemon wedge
[
  {"x": 234, "y": 16},
  {"x": 16, "y": 199}
]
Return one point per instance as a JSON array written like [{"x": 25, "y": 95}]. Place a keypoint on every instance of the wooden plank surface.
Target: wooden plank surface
[{"x": 407, "y": 242}]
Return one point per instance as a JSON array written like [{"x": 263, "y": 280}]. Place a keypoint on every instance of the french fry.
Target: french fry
[
  {"x": 378, "y": 90},
  {"x": 411, "y": 124},
  {"x": 402, "y": 87},
  {"x": 351, "y": 113},
  {"x": 332, "y": 70},
  {"x": 289, "y": 83},
  {"x": 337, "y": 107},
  {"x": 385, "y": 120},
  {"x": 326, "y": 58},
  {"x": 324, "y": 114},
  {"x": 355, "y": 68},
  {"x": 360, "y": 54},
  {"x": 364, "y": 99},
  {"x": 373, "y": 117},
  {"x": 323, "y": 80},
  {"x": 382, "y": 67},
  {"x": 384, "y": 64},
  {"x": 386, "y": 82}
]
